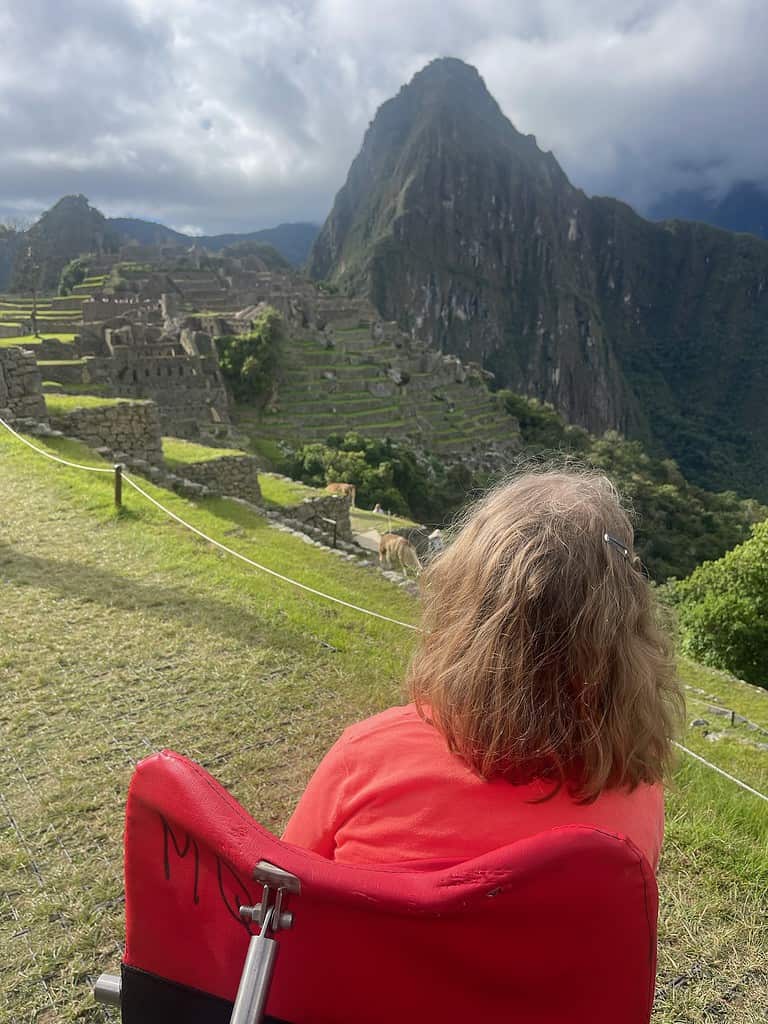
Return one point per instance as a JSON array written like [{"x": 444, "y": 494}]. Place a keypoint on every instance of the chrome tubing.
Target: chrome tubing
[
  {"x": 255, "y": 980},
  {"x": 108, "y": 989}
]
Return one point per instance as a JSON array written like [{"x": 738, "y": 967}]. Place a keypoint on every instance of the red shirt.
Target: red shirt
[{"x": 390, "y": 792}]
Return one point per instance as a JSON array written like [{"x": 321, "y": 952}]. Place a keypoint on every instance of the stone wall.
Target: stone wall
[
  {"x": 21, "y": 390},
  {"x": 103, "y": 308},
  {"x": 130, "y": 428},
  {"x": 52, "y": 348},
  {"x": 312, "y": 511},
  {"x": 188, "y": 389},
  {"x": 235, "y": 475}
]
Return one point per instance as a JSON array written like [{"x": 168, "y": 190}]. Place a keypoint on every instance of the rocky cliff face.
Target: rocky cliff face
[{"x": 464, "y": 231}]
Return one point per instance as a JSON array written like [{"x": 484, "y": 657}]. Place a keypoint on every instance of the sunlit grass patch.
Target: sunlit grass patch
[
  {"x": 60, "y": 404},
  {"x": 277, "y": 490},
  {"x": 178, "y": 452}
]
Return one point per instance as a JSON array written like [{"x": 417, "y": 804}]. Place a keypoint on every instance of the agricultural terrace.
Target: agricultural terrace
[
  {"x": 124, "y": 633},
  {"x": 178, "y": 452}
]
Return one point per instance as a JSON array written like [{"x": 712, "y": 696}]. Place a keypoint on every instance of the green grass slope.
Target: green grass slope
[{"x": 124, "y": 633}]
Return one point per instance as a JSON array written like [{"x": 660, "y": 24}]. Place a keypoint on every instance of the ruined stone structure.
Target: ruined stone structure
[
  {"x": 21, "y": 394},
  {"x": 316, "y": 512},
  {"x": 130, "y": 428},
  {"x": 133, "y": 356},
  {"x": 341, "y": 367},
  {"x": 235, "y": 475}
]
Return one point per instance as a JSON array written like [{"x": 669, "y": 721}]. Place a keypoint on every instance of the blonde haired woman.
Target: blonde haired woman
[{"x": 543, "y": 694}]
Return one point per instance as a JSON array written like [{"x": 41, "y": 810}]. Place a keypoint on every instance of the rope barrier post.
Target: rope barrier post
[{"x": 118, "y": 485}]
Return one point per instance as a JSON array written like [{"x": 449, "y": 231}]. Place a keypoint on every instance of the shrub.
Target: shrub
[
  {"x": 401, "y": 478},
  {"x": 73, "y": 274},
  {"x": 722, "y": 610},
  {"x": 250, "y": 361}
]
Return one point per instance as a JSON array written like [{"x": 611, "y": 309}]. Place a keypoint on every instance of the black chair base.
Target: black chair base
[{"x": 147, "y": 999}]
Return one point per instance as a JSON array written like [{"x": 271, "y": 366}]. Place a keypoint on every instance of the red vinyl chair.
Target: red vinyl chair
[{"x": 557, "y": 928}]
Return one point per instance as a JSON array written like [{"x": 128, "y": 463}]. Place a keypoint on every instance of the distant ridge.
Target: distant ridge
[
  {"x": 293, "y": 241},
  {"x": 72, "y": 227},
  {"x": 461, "y": 229},
  {"x": 744, "y": 207}
]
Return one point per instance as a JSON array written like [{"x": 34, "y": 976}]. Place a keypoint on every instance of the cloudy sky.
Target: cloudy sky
[{"x": 217, "y": 115}]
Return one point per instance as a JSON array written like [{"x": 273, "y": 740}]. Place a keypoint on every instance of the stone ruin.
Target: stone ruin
[
  {"x": 131, "y": 353},
  {"x": 344, "y": 368},
  {"x": 21, "y": 393},
  {"x": 130, "y": 430}
]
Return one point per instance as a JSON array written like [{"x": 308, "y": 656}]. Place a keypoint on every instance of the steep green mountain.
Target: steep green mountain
[
  {"x": 462, "y": 229},
  {"x": 292, "y": 241},
  {"x": 70, "y": 228}
]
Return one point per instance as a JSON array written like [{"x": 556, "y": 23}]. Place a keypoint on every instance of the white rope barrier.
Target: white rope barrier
[
  {"x": 263, "y": 568},
  {"x": 720, "y": 771},
  {"x": 54, "y": 458},
  {"x": 211, "y": 540},
  {"x": 303, "y": 586}
]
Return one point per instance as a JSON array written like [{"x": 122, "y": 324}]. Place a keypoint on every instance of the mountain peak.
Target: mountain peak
[
  {"x": 446, "y": 84},
  {"x": 448, "y": 71},
  {"x": 72, "y": 204},
  {"x": 441, "y": 137}
]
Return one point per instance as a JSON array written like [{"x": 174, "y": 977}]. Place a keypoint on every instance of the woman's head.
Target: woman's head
[{"x": 541, "y": 655}]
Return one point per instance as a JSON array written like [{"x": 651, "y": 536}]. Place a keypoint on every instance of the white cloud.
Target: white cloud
[{"x": 236, "y": 115}]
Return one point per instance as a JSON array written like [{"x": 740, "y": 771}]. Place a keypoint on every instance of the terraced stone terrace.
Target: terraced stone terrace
[
  {"x": 342, "y": 370},
  {"x": 371, "y": 379},
  {"x": 55, "y": 317}
]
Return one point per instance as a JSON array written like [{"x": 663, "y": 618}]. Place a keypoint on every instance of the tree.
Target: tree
[
  {"x": 722, "y": 610},
  {"x": 73, "y": 274},
  {"x": 398, "y": 476},
  {"x": 250, "y": 361}
]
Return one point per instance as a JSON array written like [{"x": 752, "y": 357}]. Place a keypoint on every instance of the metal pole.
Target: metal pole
[
  {"x": 118, "y": 485},
  {"x": 256, "y": 977}
]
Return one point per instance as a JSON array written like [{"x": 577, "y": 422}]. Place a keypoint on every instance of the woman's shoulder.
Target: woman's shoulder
[{"x": 401, "y": 720}]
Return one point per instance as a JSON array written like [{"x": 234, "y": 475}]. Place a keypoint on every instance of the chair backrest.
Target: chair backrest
[{"x": 559, "y": 927}]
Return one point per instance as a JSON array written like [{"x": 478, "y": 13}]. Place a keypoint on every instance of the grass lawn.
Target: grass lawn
[
  {"x": 178, "y": 452},
  {"x": 30, "y": 340},
  {"x": 285, "y": 493},
  {"x": 60, "y": 404},
  {"x": 267, "y": 449},
  {"x": 123, "y": 634},
  {"x": 363, "y": 520}
]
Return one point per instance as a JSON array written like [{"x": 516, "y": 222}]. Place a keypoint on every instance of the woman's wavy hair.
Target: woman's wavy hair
[{"x": 542, "y": 657}]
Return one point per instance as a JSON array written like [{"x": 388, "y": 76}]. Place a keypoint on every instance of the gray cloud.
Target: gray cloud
[{"x": 230, "y": 114}]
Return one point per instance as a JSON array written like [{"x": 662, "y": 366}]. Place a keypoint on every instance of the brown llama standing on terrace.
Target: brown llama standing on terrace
[
  {"x": 343, "y": 490},
  {"x": 394, "y": 548}
]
